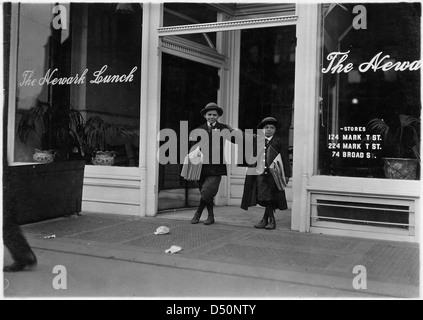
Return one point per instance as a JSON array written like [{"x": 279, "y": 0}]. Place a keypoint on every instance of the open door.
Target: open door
[{"x": 187, "y": 86}]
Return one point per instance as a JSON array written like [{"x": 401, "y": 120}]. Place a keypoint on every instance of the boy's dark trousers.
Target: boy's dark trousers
[{"x": 209, "y": 186}]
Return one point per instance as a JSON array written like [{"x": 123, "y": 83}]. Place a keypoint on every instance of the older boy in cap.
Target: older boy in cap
[{"x": 212, "y": 172}]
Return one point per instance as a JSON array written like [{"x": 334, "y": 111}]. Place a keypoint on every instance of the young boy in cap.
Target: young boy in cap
[
  {"x": 260, "y": 188},
  {"x": 211, "y": 172}
]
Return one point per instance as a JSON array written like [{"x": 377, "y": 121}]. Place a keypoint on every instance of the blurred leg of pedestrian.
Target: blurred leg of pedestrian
[{"x": 13, "y": 239}]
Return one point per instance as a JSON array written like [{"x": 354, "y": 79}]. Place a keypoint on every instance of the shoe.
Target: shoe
[
  {"x": 263, "y": 223},
  {"x": 272, "y": 222},
  {"x": 197, "y": 215},
  {"x": 210, "y": 218},
  {"x": 196, "y": 218},
  {"x": 19, "y": 266},
  {"x": 271, "y": 225}
]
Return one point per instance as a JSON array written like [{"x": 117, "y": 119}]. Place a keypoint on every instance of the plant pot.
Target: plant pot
[
  {"x": 104, "y": 158},
  {"x": 43, "y": 156},
  {"x": 399, "y": 168}
]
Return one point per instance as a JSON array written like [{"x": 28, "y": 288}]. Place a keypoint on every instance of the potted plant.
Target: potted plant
[
  {"x": 401, "y": 147},
  {"x": 58, "y": 130},
  {"x": 53, "y": 188},
  {"x": 98, "y": 135}
]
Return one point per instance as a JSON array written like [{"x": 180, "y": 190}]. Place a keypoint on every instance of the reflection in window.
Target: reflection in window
[
  {"x": 114, "y": 41},
  {"x": 348, "y": 143},
  {"x": 267, "y": 72},
  {"x": 90, "y": 66},
  {"x": 37, "y": 41}
]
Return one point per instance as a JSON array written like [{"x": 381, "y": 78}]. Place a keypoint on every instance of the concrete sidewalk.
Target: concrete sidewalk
[{"x": 223, "y": 248}]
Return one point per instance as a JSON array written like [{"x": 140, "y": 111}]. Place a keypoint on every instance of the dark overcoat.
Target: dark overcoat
[
  {"x": 253, "y": 186},
  {"x": 213, "y": 168}
]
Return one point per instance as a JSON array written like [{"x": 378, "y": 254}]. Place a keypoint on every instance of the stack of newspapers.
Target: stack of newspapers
[
  {"x": 278, "y": 172},
  {"x": 193, "y": 162}
]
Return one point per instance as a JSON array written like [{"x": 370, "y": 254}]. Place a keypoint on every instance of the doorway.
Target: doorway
[
  {"x": 187, "y": 86},
  {"x": 264, "y": 84},
  {"x": 267, "y": 76},
  {"x": 257, "y": 81}
]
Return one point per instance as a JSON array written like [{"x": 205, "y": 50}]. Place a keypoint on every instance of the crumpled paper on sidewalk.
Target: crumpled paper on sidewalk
[
  {"x": 173, "y": 249},
  {"x": 162, "y": 230}
]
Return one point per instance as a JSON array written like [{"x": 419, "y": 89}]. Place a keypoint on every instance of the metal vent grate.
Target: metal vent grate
[{"x": 363, "y": 213}]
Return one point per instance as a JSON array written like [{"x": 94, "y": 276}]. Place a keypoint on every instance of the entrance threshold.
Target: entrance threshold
[{"x": 231, "y": 215}]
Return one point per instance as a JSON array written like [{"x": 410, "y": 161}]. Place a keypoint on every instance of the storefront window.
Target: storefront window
[
  {"x": 369, "y": 108},
  {"x": 85, "y": 58},
  {"x": 267, "y": 74}
]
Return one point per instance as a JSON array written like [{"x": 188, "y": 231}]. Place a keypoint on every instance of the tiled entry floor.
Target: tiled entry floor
[{"x": 232, "y": 215}]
